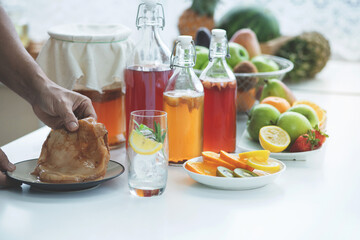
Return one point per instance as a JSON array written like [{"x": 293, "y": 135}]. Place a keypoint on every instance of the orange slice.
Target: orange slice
[
  {"x": 321, "y": 113},
  {"x": 234, "y": 160},
  {"x": 201, "y": 168},
  {"x": 210, "y": 155},
  {"x": 214, "y": 159}
]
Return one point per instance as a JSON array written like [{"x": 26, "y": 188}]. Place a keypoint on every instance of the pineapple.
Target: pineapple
[
  {"x": 309, "y": 52},
  {"x": 200, "y": 14}
]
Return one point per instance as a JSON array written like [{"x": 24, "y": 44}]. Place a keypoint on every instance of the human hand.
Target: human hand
[
  {"x": 58, "y": 107},
  {"x": 5, "y": 165}
]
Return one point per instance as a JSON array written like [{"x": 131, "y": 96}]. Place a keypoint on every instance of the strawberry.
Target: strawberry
[
  {"x": 320, "y": 135},
  {"x": 312, "y": 140},
  {"x": 305, "y": 142}
]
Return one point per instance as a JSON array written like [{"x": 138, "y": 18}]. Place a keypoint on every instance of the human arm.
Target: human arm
[{"x": 56, "y": 106}]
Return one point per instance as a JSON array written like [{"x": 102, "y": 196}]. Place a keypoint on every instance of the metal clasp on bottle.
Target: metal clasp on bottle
[
  {"x": 227, "y": 49},
  {"x": 173, "y": 58},
  {"x": 141, "y": 20}
]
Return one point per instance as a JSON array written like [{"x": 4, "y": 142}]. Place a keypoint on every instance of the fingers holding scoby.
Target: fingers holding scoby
[
  {"x": 85, "y": 109},
  {"x": 68, "y": 117}
]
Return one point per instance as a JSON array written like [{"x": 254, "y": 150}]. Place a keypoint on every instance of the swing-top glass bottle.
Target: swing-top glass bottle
[
  {"x": 220, "y": 97},
  {"x": 148, "y": 68},
  {"x": 184, "y": 104}
]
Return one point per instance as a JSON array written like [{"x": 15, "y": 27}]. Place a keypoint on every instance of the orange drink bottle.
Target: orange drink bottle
[
  {"x": 220, "y": 97},
  {"x": 184, "y": 104}
]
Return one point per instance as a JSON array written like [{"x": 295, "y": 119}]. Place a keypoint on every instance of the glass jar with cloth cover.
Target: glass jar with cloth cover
[{"x": 90, "y": 59}]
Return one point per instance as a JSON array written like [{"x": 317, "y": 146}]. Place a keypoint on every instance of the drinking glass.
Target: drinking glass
[{"x": 147, "y": 152}]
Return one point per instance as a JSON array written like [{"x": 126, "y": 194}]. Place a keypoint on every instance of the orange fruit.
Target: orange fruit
[
  {"x": 210, "y": 155},
  {"x": 201, "y": 168},
  {"x": 214, "y": 159},
  {"x": 234, "y": 160},
  {"x": 321, "y": 113},
  {"x": 278, "y": 102}
]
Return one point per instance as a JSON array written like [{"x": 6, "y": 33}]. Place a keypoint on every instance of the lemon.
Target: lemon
[
  {"x": 274, "y": 139},
  {"x": 259, "y": 155},
  {"x": 143, "y": 145},
  {"x": 270, "y": 166}
]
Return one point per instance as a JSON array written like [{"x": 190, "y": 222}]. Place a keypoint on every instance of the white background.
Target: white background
[{"x": 338, "y": 20}]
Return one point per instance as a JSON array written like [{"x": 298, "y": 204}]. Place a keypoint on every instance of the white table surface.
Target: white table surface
[{"x": 316, "y": 199}]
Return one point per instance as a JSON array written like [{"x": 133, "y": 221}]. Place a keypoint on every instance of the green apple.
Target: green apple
[
  {"x": 264, "y": 64},
  {"x": 237, "y": 54},
  {"x": 231, "y": 68},
  {"x": 308, "y": 112},
  {"x": 204, "y": 65},
  {"x": 261, "y": 115},
  {"x": 295, "y": 124},
  {"x": 202, "y": 56}
]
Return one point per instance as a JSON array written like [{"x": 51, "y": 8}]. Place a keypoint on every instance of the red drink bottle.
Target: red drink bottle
[
  {"x": 220, "y": 97},
  {"x": 148, "y": 68}
]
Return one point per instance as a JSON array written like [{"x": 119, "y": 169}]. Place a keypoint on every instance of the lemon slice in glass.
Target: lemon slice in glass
[
  {"x": 270, "y": 166},
  {"x": 274, "y": 139},
  {"x": 143, "y": 145}
]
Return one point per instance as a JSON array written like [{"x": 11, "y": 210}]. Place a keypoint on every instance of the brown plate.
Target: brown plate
[{"x": 24, "y": 169}]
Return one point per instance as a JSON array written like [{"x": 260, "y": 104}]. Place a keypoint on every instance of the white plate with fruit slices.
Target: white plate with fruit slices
[
  {"x": 246, "y": 144},
  {"x": 234, "y": 183}
]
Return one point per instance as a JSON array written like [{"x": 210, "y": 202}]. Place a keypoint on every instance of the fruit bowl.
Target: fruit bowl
[
  {"x": 250, "y": 84},
  {"x": 246, "y": 144},
  {"x": 284, "y": 65},
  {"x": 233, "y": 183}
]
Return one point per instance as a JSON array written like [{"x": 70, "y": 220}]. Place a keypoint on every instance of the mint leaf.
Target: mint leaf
[
  {"x": 159, "y": 136},
  {"x": 163, "y": 136}
]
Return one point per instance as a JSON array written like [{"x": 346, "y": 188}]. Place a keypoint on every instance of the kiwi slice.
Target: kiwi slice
[
  {"x": 243, "y": 173},
  {"x": 224, "y": 172}
]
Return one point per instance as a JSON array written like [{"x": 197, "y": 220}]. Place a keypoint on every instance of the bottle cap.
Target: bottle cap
[
  {"x": 150, "y": 13},
  {"x": 185, "y": 41},
  {"x": 150, "y": 3},
  {"x": 218, "y": 34}
]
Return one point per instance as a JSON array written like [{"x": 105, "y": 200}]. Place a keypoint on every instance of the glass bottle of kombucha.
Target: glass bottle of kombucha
[
  {"x": 220, "y": 97},
  {"x": 148, "y": 67},
  {"x": 184, "y": 104}
]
